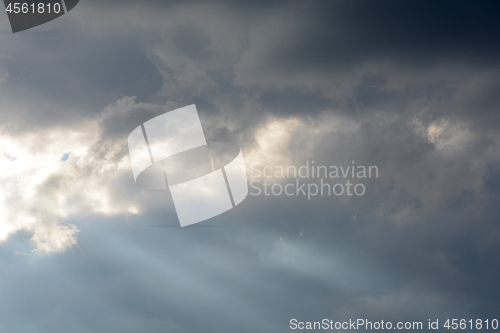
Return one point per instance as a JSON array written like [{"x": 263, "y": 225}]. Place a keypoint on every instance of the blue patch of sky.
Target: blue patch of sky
[
  {"x": 65, "y": 157},
  {"x": 10, "y": 158}
]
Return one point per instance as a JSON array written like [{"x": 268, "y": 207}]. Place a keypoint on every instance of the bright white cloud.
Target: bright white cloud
[
  {"x": 287, "y": 141},
  {"x": 49, "y": 177}
]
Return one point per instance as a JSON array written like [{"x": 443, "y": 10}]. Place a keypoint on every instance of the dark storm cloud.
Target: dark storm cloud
[
  {"x": 379, "y": 55},
  {"x": 339, "y": 35},
  {"x": 66, "y": 76}
]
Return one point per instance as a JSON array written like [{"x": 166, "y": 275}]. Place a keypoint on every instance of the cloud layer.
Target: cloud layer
[{"x": 410, "y": 87}]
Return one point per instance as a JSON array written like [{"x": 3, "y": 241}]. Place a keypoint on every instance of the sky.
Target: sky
[{"x": 411, "y": 87}]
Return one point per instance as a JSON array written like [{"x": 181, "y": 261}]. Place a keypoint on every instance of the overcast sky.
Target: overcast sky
[{"x": 411, "y": 87}]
